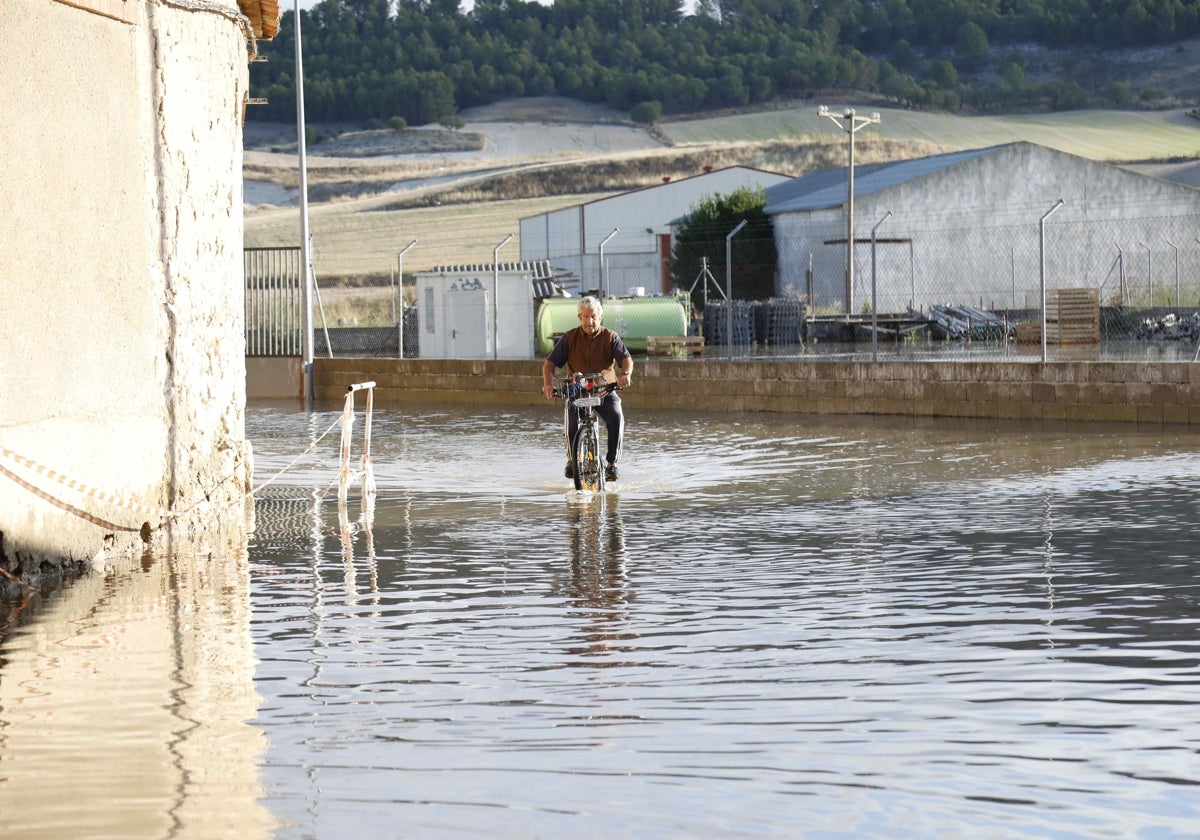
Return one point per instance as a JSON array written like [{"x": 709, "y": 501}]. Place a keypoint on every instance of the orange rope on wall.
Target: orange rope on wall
[{"x": 85, "y": 489}]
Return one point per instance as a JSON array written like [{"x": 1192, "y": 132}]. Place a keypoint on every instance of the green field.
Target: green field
[
  {"x": 1119, "y": 136},
  {"x": 351, "y": 239}
]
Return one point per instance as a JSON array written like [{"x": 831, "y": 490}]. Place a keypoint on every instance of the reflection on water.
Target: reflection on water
[
  {"x": 596, "y": 584},
  {"x": 124, "y": 698},
  {"x": 771, "y": 626}
]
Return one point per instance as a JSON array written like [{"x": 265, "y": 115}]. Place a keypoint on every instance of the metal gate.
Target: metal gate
[{"x": 274, "y": 298}]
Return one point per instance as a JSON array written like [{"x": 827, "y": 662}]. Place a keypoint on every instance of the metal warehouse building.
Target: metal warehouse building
[
  {"x": 986, "y": 228},
  {"x": 618, "y": 243}
]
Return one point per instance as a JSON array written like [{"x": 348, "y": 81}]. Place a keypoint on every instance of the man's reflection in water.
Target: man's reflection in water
[{"x": 597, "y": 585}]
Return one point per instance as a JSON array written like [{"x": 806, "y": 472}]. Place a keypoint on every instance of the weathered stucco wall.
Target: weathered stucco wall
[
  {"x": 121, "y": 353},
  {"x": 1115, "y": 392}
]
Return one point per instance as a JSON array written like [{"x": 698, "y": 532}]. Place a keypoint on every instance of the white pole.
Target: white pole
[
  {"x": 874, "y": 294},
  {"x": 1121, "y": 271},
  {"x": 305, "y": 251},
  {"x": 603, "y": 270},
  {"x": 729, "y": 287},
  {"x": 1149, "y": 276},
  {"x": 496, "y": 297},
  {"x": 850, "y": 220},
  {"x": 852, "y": 126},
  {"x": 1042, "y": 260},
  {"x": 1176, "y": 247},
  {"x": 400, "y": 269}
]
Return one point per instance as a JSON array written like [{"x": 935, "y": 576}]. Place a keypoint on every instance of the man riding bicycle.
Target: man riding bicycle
[{"x": 591, "y": 348}]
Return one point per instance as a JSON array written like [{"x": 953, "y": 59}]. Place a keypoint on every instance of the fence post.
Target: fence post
[
  {"x": 874, "y": 294},
  {"x": 1042, "y": 260},
  {"x": 496, "y": 296},
  {"x": 1173, "y": 245},
  {"x": 400, "y": 270},
  {"x": 1149, "y": 277},
  {"x": 603, "y": 269},
  {"x": 729, "y": 286},
  {"x": 1012, "y": 268}
]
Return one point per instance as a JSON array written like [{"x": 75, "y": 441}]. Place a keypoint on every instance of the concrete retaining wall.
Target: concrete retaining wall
[
  {"x": 274, "y": 377},
  {"x": 1132, "y": 392}
]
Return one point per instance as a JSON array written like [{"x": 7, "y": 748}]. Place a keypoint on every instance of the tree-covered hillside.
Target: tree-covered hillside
[{"x": 414, "y": 62}]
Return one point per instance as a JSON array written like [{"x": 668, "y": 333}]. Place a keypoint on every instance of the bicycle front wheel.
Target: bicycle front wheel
[{"x": 589, "y": 468}]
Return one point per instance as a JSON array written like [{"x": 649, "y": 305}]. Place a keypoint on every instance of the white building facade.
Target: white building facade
[
  {"x": 989, "y": 228},
  {"x": 480, "y": 311},
  {"x": 621, "y": 245}
]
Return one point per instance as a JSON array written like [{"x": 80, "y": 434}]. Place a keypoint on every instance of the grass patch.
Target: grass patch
[
  {"x": 1118, "y": 136},
  {"x": 352, "y": 243}
]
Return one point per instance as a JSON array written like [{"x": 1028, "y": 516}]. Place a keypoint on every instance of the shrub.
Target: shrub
[
  {"x": 646, "y": 113},
  {"x": 1119, "y": 94}
]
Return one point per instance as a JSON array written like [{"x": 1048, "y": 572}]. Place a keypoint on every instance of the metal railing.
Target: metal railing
[{"x": 273, "y": 301}]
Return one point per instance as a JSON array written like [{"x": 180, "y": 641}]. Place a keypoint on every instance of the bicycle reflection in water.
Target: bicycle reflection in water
[{"x": 597, "y": 585}]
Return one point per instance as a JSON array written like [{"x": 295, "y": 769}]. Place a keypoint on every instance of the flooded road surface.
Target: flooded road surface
[{"x": 773, "y": 626}]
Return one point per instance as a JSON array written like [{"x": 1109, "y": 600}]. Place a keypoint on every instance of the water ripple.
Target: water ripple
[{"x": 879, "y": 628}]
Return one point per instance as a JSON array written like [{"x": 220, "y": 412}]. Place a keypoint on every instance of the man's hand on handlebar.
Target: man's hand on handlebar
[{"x": 578, "y": 383}]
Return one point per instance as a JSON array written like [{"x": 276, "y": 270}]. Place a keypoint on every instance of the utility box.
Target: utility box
[{"x": 479, "y": 311}]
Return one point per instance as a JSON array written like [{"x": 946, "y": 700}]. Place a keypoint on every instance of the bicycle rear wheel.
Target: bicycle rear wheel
[{"x": 589, "y": 468}]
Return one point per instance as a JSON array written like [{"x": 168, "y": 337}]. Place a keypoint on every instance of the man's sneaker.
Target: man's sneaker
[
  {"x": 610, "y": 472},
  {"x": 569, "y": 471}
]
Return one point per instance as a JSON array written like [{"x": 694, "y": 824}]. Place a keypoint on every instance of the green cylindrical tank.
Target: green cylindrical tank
[{"x": 633, "y": 318}]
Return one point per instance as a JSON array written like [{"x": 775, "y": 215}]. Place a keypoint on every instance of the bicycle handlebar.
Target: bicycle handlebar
[{"x": 582, "y": 381}]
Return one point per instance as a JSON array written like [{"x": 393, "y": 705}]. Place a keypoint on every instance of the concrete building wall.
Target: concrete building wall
[
  {"x": 970, "y": 233},
  {"x": 120, "y": 277},
  {"x": 1115, "y": 392},
  {"x": 632, "y": 223},
  {"x": 552, "y": 234}
]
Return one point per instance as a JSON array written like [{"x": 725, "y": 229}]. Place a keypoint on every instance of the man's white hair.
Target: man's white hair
[{"x": 592, "y": 303}]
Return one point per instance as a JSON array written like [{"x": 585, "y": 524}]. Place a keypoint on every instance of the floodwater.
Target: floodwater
[{"x": 772, "y": 627}]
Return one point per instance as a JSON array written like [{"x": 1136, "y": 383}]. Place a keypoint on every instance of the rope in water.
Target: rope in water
[
  {"x": 88, "y": 491},
  {"x": 296, "y": 460},
  {"x": 345, "y": 419}
]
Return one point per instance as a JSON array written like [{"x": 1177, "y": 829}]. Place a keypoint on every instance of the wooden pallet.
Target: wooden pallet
[
  {"x": 675, "y": 345},
  {"x": 1072, "y": 317}
]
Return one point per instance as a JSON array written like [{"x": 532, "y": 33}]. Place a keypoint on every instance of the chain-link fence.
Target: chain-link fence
[{"x": 1111, "y": 289}]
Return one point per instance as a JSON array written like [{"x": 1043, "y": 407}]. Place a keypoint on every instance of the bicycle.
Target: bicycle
[{"x": 584, "y": 393}]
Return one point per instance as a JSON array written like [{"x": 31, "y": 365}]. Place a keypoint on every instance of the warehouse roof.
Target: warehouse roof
[
  {"x": 827, "y": 187},
  {"x": 536, "y": 269}
]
